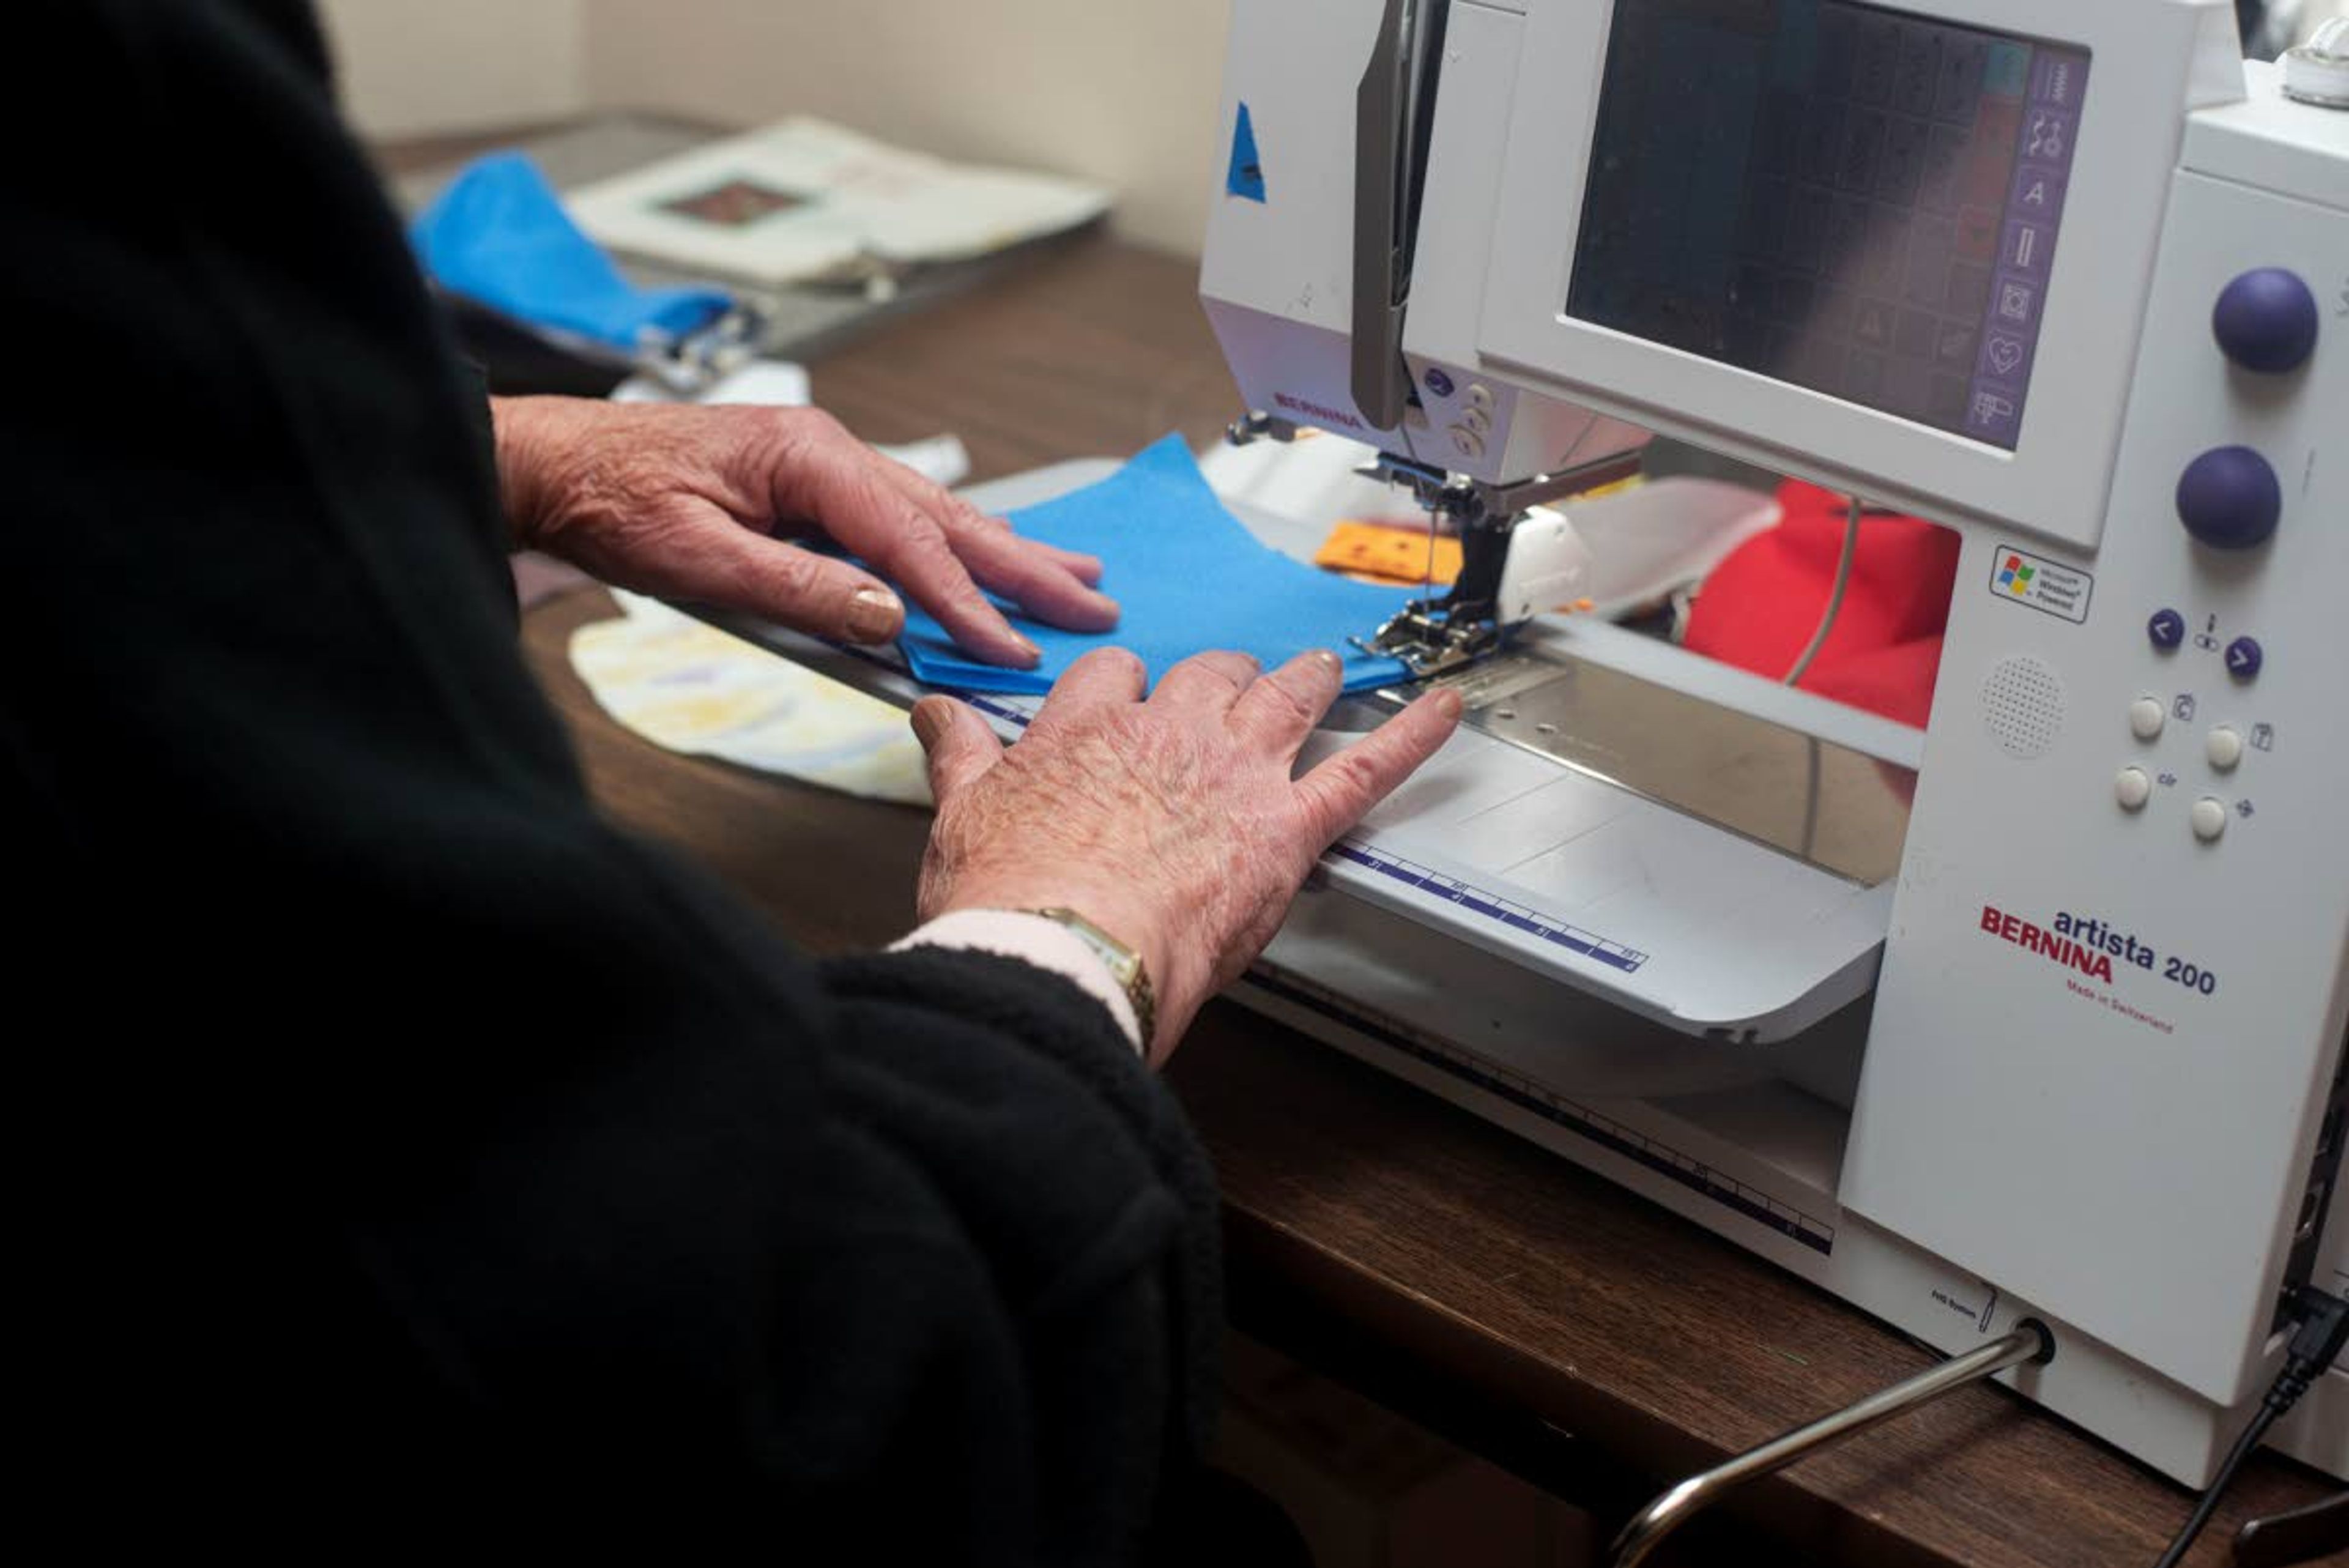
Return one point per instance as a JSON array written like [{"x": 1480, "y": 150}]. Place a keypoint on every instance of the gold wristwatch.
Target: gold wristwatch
[{"x": 1125, "y": 965}]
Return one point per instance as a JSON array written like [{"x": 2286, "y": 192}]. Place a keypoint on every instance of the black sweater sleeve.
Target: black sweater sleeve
[{"x": 414, "y": 1137}]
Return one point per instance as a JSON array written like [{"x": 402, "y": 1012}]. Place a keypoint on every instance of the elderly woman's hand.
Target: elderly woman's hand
[
  {"x": 1173, "y": 823},
  {"x": 702, "y": 504}
]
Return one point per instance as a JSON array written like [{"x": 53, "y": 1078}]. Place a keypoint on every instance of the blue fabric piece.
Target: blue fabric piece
[
  {"x": 499, "y": 236},
  {"x": 1188, "y": 576},
  {"x": 1245, "y": 178}
]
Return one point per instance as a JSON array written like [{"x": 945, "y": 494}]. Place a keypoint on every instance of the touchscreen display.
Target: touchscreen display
[{"x": 1850, "y": 198}]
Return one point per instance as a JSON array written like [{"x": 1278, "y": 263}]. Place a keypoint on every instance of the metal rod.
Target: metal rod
[{"x": 2028, "y": 1341}]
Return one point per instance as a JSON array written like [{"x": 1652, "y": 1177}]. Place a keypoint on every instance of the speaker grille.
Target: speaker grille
[{"x": 2023, "y": 707}]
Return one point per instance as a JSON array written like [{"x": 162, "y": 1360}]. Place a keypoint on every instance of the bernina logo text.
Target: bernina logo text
[
  {"x": 2090, "y": 943},
  {"x": 2055, "y": 947},
  {"x": 1315, "y": 410}
]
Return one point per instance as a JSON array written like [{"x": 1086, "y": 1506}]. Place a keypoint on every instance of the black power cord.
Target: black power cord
[{"x": 2322, "y": 1329}]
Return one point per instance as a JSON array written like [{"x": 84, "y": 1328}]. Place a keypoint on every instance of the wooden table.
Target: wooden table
[{"x": 1563, "y": 1327}]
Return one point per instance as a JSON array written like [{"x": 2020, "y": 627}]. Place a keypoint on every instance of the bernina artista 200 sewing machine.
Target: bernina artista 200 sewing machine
[{"x": 2034, "y": 1021}]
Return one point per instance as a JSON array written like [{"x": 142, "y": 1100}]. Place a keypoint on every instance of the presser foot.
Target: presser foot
[{"x": 1428, "y": 641}]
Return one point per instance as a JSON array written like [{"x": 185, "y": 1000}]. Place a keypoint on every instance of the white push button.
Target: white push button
[
  {"x": 1477, "y": 420},
  {"x": 2224, "y": 747},
  {"x": 1480, "y": 396},
  {"x": 2146, "y": 717},
  {"x": 1466, "y": 443},
  {"x": 2132, "y": 788},
  {"x": 2209, "y": 819}
]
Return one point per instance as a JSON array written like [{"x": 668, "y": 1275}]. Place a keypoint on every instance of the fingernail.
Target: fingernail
[
  {"x": 1328, "y": 661},
  {"x": 875, "y": 615},
  {"x": 1447, "y": 703},
  {"x": 929, "y": 723},
  {"x": 1035, "y": 654}
]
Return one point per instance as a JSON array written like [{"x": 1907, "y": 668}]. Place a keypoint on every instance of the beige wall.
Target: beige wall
[
  {"x": 410, "y": 67},
  {"x": 1123, "y": 91}
]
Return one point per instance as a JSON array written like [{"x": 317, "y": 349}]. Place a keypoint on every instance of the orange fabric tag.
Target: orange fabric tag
[{"x": 1377, "y": 553}]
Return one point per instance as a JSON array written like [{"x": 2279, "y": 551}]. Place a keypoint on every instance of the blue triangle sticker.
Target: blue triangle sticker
[{"x": 1247, "y": 177}]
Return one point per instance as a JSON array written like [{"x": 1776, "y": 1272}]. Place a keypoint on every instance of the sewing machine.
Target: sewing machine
[
  {"x": 2036, "y": 1017},
  {"x": 2038, "y": 1013}
]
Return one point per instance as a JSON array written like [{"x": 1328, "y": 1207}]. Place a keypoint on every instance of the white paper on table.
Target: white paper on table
[
  {"x": 689, "y": 686},
  {"x": 805, "y": 199},
  {"x": 780, "y": 383},
  {"x": 940, "y": 458},
  {"x": 775, "y": 383}
]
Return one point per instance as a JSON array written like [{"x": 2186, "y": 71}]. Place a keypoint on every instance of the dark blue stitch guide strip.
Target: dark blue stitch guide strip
[
  {"x": 1491, "y": 906},
  {"x": 1527, "y": 1096},
  {"x": 994, "y": 708}
]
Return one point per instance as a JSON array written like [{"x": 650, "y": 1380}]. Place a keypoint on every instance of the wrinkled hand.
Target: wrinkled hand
[
  {"x": 702, "y": 503},
  {"x": 1173, "y": 822}
]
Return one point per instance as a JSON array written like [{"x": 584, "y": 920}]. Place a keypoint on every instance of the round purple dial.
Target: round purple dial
[
  {"x": 2229, "y": 498},
  {"x": 2266, "y": 320}
]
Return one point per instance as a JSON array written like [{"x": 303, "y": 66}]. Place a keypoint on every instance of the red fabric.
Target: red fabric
[{"x": 1760, "y": 607}]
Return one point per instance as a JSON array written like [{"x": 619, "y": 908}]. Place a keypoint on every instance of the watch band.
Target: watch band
[{"x": 1123, "y": 963}]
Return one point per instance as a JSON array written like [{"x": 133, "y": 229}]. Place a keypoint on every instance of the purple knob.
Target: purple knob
[
  {"x": 2229, "y": 498},
  {"x": 2266, "y": 320}
]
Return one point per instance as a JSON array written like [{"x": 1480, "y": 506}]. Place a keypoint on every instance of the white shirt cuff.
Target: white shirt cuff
[{"x": 1032, "y": 938}]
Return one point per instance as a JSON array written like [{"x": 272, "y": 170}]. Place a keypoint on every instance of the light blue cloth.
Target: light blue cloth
[
  {"x": 1188, "y": 576},
  {"x": 499, "y": 236}
]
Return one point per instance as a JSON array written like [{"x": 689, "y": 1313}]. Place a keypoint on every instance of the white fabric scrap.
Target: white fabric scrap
[{"x": 689, "y": 686}]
